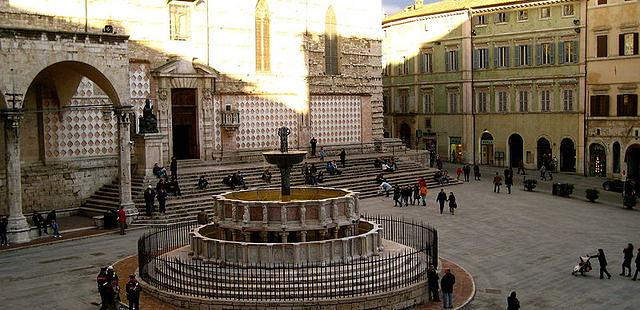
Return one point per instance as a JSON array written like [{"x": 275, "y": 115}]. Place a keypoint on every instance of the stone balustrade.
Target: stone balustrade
[{"x": 340, "y": 250}]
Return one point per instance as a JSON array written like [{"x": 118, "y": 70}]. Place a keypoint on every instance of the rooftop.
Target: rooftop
[{"x": 445, "y": 6}]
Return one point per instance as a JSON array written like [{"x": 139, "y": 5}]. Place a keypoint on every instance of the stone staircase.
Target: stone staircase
[
  {"x": 107, "y": 197},
  {"x": 359, "y": 176}
]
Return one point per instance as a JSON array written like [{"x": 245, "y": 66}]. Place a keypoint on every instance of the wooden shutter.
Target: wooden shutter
[
  {"x": 517, "y": 55},
  {"x": 635, "y": 43},
  {"x": 621, "y": 44},
  {"x": 601, "y": 44},
  {"x": 476, "y": 58},
  {"x": 575, "y": 51},
  {"x": 538, "y": 54},
  {"x": 552, "y": 54},
  {"x": 561, "y": 52},
  {"x": 486, "y": 58},
  {"x": 529, "y": 51},
  {"x": 507, "y": 57},
  {"x": 446, "y": 61},
  {"x": 496, "y": 57}
]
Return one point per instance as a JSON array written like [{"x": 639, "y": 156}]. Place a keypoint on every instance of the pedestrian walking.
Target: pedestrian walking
[
  {"x": 433, "y": 280},
  {"x": 543, "y": 173},
  {"x": 174, "y": 167},
  {"x": 313, "y": 143},
  {"x": 441, "y": 199},
  {"x": 162, "y": 200},
  {"x": 508, "y": 179},
  {"x": 384, "y": 187},
  {"x": 446, "y": 284},
  {"x": 466, "y": 170},
  {"x": 122, "y": 220},
  {"x": 603, "y": 264},
  {"x": 521, "y": 167},
  {"x": 39, "y": 222},
  {"x": 322, "y": 153},
  {"x": 637, "y": 261},
  {"x": 626, "y": 262},
  {"x": 149, "y": 199},
  {"x": 112, "y": 278},
  {"x": 423, "y": 194},
  {"x": 416, "y": 194},
  {"x": 497, "y": 182},
  {"x": 396, "y": 196},
  {"x": 133, "y": 290},
  {"x": 512, "y": 302},
  {"x": 102, "y": 282},
  {"x": 406, "y": 195},
  {"x": 452, "y": 203},
  {"x": 458, "y": 173},
  {"x": 343, "y": 158},
  {"x": 476, "y": 172},
  {"x": 4, "y": 241}
]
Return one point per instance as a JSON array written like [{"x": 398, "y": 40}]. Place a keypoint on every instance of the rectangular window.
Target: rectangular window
[
  {"x": 628, "y": 44},
  {"x": 523, "y": 100},
  {"x": 627, "y": 105},
  {"x": 544, "y": 54},
  {"x": 426, "y": 63},
  {"x": 523, "y": 55},
  {"x": 451, "y": 60},
  {"x": 406, "y": 65},
  {"x": 427, "y": 103},
  {"x": 600, "y": 105},
  {"x": 453, "y": 102},
  {"x": 545, "y": 100},
  {"x": 180, "y": 22},
  {"x": 545, "y": 12},
  {"x": 601, "y": 46},
  {"x": 403, "y": 101},
  {"x": 481, "y": 59},
  {"x": 481, "y": 20},
  {"x": 503, "y": 101},
  {"x": 602, "y": 1},
  {"x": 482, "y": 102},
  {"x": 385, "y": 104},
  {"x": 427, "y": 123},
  {"x": 567, "y": 10},
  {"x": 501, "y": 55},
  {"x": 568, "y": 52},
  {"x": 523, "y": 15},
  {"x": 567, "y": 99},
  {"x": 502, "y": 17}
]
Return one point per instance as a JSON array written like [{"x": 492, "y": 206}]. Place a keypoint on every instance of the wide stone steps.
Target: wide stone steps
[{"x": 265, "y": 283}]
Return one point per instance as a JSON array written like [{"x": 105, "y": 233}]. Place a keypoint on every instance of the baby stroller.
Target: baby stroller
[{"x": 583, "y": 266}]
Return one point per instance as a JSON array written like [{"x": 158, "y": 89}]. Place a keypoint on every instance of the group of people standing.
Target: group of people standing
[
  {"x": 508, "y": 180},
  {"x": 109, "y": 290},
  {"x": 627, "y": 253},
  {"x": 446, "y": 284}
]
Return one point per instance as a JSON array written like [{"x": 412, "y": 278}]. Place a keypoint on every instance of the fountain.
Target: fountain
[{"x": 284, "y": 247}]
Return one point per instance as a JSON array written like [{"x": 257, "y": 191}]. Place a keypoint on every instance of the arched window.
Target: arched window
[
  {"x": 616, "y": 157},
  {"x": 262, "y": 37},
  {"x": 330, "y": 43}
]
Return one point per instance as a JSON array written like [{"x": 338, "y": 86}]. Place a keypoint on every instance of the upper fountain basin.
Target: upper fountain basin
[{"x": 284, "y": 159}]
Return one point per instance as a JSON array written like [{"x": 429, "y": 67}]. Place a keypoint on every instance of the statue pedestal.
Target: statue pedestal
[{"x": 148, "y": 151}]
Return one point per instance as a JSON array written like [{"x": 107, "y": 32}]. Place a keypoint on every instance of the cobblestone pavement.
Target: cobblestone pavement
[
  {"x": 61, "y": 275},
  {"x": 529, "y": 242}
]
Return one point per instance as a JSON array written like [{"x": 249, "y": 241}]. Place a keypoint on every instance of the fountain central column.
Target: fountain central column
[{"x": 284, "y": 160}]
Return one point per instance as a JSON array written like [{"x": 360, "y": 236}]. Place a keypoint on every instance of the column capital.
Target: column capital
[{"x": 12, "y": 117}]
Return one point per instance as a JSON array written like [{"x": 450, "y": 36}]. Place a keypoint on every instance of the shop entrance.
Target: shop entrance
[
  {"x": 544, "y": 153},
  {"x": 486, "y": 149},
  {"x": 597, "y": 160}
]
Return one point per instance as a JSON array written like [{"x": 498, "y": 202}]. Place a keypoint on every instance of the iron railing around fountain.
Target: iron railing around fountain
[{"x": 197, "y": 278}]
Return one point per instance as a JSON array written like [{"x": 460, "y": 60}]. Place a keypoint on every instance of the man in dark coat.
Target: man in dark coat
[
  {"x": 174, "y": 166},
  {"x": 447, "y": 282},
  {"x": 3, "y": 231},
  {"x": 343, "y": 158},
  {"x": 313, "y": 143},
  {"x": 162, "y": 200},
  {"x": 441, "y": 199},
  {"x": 133, "y": 290},
  {"x": 433, "y": 282},
  {"x": 508, "y": 179},
  {"x": 637, "y": 261},
  {"x": 103, "y": 289},
  {"x": 628, "y": 256},
  {"x": 476, "y": 172},
  {"x": 512, "y": 302},
  {"x": 603, "y": 264},
  {"x": 467, "y": 172},
  {"x": 39, "y": 222},
  {"x": 396, "y": 196},
  {"x": 149, "y": 199}
]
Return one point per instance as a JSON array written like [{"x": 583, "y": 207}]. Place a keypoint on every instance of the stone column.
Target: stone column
[
  {"x": 18, "y": 228},
  {"x": 124, "y": 159}
]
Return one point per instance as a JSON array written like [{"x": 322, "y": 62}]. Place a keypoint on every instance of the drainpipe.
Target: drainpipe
[
  {"x": 86, "y": 16},
  {"x": 473, "y": 95},
  {"x": 584, "y": 96}
]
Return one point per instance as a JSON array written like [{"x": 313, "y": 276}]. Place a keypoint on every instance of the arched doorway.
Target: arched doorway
[
  {"x": 405, "y": 134},
  {"x": 515, "y": 150},
  {"x": 632, "y": 158},
  {"x": 567, "y": 155},
  {"x": 486, "y": 149},
  {"x": 544, "y": 153},
  {"x": 597, "y": 160}
]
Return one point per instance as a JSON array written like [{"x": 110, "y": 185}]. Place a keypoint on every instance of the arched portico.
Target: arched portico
[{"x": 60, "y": 80}]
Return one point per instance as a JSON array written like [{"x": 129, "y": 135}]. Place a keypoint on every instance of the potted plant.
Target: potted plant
[
  {"x": 530, "y": 184},
  {"x": 592, "y": 194},
  {"x": 565, "y": 190}
]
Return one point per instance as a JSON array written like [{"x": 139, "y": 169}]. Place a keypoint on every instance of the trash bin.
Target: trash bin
[{"x": 555, "y": 189}]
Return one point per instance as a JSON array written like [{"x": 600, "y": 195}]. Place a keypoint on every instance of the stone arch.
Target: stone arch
[
  {"x": 544, "y": 152},
  {"x": 486, "y": 146},
  {"x": 632, "y": 159},
  {"x": 515, "y": 144},
  {"x": 567, "y": 154},
  {"x": 65, "y": 76}
]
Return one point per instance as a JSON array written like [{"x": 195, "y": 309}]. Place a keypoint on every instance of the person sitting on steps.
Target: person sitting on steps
[
  {"x": 202, "y": 183},
  {"x": 266, "y": 176}
]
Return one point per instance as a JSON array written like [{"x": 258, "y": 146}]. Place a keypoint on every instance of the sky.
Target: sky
[{"x": 392, "y": 6}]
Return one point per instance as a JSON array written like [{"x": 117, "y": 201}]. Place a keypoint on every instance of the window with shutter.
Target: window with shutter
[
  {"x": 545, "y": 100},
  {"x": 601, "y": 46},
  {"x": 628, "y": 44},
  {"x": 599, "y": 105},
  {"x": 627, "y": 105}
]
